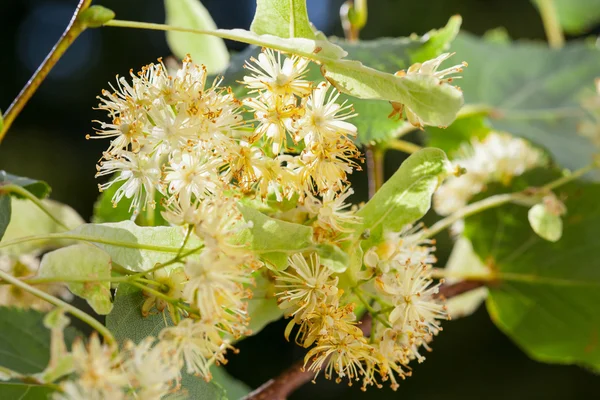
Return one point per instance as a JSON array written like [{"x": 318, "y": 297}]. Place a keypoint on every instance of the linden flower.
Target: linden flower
[
  {"x": 331, "y": 211},
  {"x": 327, "y": 165},
  {"x": 309, "y": 286},
  {"x": 324, "y": 119},
  {"x": 401, "y": 248},
  {"x": 97, "y": 373},
  {"x": 499, "y": 157},
  {"x": 191, "y": 177},
  {"x": 197, "y": 344},
  {"x": 170, "y": 283},
  {"x": 341, "y": 354},
  {"x": 216, "y": 288},
  {"x": 414, "y": 296},
  {"x": 152, "y": 370},
  {"x": 139, "y": 174},
  {"x": 276, "y": 115},
  {"x": 325, "y": 320},
  {"x": 269, "y": 73},
  {"x": 23, "y": 266}
]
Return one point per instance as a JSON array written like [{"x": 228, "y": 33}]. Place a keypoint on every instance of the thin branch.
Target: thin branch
[
  {"x": 280, "y": 387},
  {"x": 74, "y": 29},
  {"x": 554, "y": 32}
]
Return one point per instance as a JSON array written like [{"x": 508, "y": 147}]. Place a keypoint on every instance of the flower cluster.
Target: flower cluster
[
  {"x": 498, "y": 158},
  {"x": 408, "y": 307},
  {"x": 176, "y": 138},
  {"x": 148, "y": 370}
]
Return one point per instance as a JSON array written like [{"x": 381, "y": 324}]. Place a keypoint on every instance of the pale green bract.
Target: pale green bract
[
  {"x": 272, "y": 239},
  {"x": 135, "y": 248},
  {"x": 209, "y": 50},
  {"x": 83, "y": 261},
  {"x": 405, "y": 197}
]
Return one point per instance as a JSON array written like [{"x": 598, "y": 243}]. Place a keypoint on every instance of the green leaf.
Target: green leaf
[
  {"x": 435, "y": 42},
  {"x": 333, "y": 257},
  {"x": 136, "y": 248},
  {"x": 5, "y": 212},
  {"x": 406, "y": 196},
  {"x": 540, "y": 102},
  {"x": 28, "y": 220},
  {"x": 25, "y": 341},
  {"x": 547, "y": 225},
  {"x": 39, "y": 188},
  {"x": 470, "y": 123},
  {"x": 286, "y": 19},
  {"x": 576, "y": 16},
  {"x": 82, "y": 261},
  {"x": 104, "y": 211},
  {"x": 127, "y": 323},
  {"x": 204, "y": 49},
  {"x": 547, "y": 295},
  {"x": 272, "y": 239},
  {"x": 23, "y": 391}
]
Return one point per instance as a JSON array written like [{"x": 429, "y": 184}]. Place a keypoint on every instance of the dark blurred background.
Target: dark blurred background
[{"x": 471, "y": 358}]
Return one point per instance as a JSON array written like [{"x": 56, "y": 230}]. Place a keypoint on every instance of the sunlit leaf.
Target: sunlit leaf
[{"x": 204, "y": 49}]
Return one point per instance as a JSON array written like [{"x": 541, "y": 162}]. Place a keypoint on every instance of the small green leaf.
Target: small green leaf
[
  {"x": 286, "y": 19},
  {"x": 28, "y": 220},
  {"x": 204, "y": 49},
  {"x": 23, "y": 391},
  {"x": 333, "y": 257},
  {"x": 25, "y": 341},
  {"x": 545, "y": 294},
  {"x": 96, "y": 16},
  {"x": 40, "y": 189},
  {"x": 272, "y": 239},
  {"x": 406, "y": 196},
  {"x": 576, "y": 16},
  {"x": 82, "y": 261},
  {"x": 435, "y": 42},
  {"x": 547, "y": 225},
  {"x": 5, "y": 212},
  {"x": 127, "y": 323}
]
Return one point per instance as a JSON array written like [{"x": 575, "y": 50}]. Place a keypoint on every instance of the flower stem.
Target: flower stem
[
  {"x": 30, "y": 196},
  {"x": 374, "y": 313},
  {"x": 92, "y": 239},
  {"x": 403, "y": 146},
  {"x": 177, "y": 303},
  {"x": 88, "y": 319},
  {"x": 556, "y": 37},
  {"x": 523, "y": 197},
  {"x": 74, "y": 29}
]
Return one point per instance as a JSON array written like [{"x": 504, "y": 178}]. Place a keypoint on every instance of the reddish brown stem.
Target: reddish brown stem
[{"x": 280, "y": 387}]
